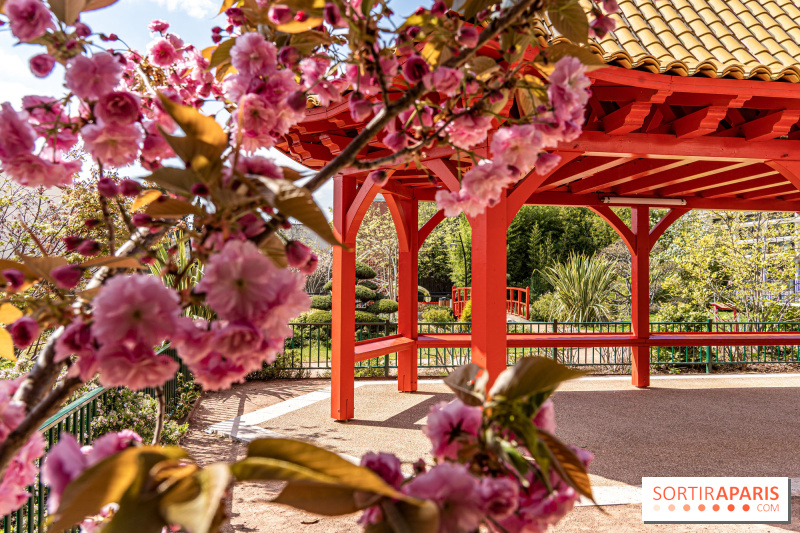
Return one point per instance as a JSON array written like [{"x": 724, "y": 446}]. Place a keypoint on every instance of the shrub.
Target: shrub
[
  {"x": 328, "y": 286},
  {"x": 364, "y": 271},
  {"x": 371, "y": 285},
  {"x": 383, "y": 307},
  {"x": 319, "y": 317},
  {"x": 541, "y": 308},
  {"x": 422, "y": 291},
  {"x": 366, "y": 316},
  {"x": 279, "y": 370},
  {"x": 126, "y": 409},
  {"x": 322, "y": 302},
  {"x": 438, "y": 314},
  {"x": 365, "y": 294},
  {"x": 681, "y": 312},
  {"x": 582, "y": 288},
  {"x": 466, "y": 312}
]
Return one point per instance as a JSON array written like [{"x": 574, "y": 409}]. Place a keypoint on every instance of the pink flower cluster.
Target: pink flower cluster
[
  {"x": 518, "y": 149},
  {"x": 450, "y": 426},
  {"x": 22, "y": 470},
  {"x": 67, "y": 460},
  {"x": 254, "y": 301}
]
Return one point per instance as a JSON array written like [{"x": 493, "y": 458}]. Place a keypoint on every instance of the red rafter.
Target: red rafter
[
  {"x": 718, "y": 179},
  {"x": 700, "y": 122},
  {"x": 685, "y": 173},
  {"x": 581, "y": 169},
  {"x": 624, "y": 173},
  {"x": 746, "y": 186}
]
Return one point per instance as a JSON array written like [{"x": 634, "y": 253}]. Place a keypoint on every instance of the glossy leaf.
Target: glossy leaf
[
  {"x": 530, "y": 375},
  {"x": 203, "y": 158},
  {"x": 9, "y": 313},
  {"x": 297, "y": 26},
  {"x": 172, "y": 208},
  {"x": 42, "y": 266},
  {"x": 468, "y": 388},
  {"x": 195, "y": 124},
  {"x": 275, "y": 250},
  {"x": 177, "y": 180},
  {"x": 298, "y": 202},
  {"x": 145, "y": 198},
  {"x": 114, "y": 262},
  {"x": 324, "y": 499},
  {"x": 106, "y": 482},
  {"x": 222, "y": 54},
  {"x": 6, "y": 346},
  {"x": 569, "y": 19},
  {"x": 198, "y": 514},
  {"x": 567, "y": 464}
]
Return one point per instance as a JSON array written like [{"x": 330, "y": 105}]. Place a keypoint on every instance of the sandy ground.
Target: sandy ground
[{"x": 684, "y": 426}]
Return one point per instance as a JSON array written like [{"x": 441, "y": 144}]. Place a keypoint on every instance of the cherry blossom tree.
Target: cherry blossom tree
[{"x": 415, "y": 84}]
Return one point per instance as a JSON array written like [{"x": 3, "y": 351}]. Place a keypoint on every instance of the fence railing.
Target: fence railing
[
  {"x": 75, "y": 418},
  {"x": 310, "y": 347}
]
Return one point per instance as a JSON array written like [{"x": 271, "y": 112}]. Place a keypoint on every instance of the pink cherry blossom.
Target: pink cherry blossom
[
  {"x": 117, "y": 108},
  {"x": 135, "y": 368},
  {"x": 252, "y": 55},
  {"x": 516, "y": 146},
  {"x": 64, "y": 463},
  {"x": 545, "y": 417},
  {"x": 76, "y": 339},
  {"x": 33, "y": 171},
  {"x": 111, "y": 444},
  {"x": 360, "y": 109},
  {"x": 16, "y": 134},
  {"x": 450, "y": 425},
  {"x": 449, "y": 202},
  {"x": 455, "y": 491},
  {"x": 468, "y": 130},
  {"x": 91, "y": 78},
  {"x": 235, "y": 338},
  {"x": 242, "y": 284},
  {"x": 467, "y": 36},
  {"x": 162, "y": 53},
  {"x": 568, "y": 89},
  {"x": 260, "y": 166},
  {"x": 301, "y": 257},
  {"x": 20, "y": 473},
  {"x": 192, "y": 338},
  {"x": 279, "y": 14},
  {"x": 499, "y": 496},
  {"x": 601, "y": 25},
  {"x": 217, "y": 372},
  {"x": 481, "y": 187},
  {"x": 24, "y": 331},
  {"x": 67, "y": 276},
  {"x": 159, "y": 26},
  {"x": 546, "y": 162},
  {"x": 386, "y": 465},
  {"x": 42, "y": 65},
  {"x": 610, "y": 6},
  {"x": 447, "y": 80},
  {"x": 112, "y": 144},
  {"x": 12, "y": 412},
  {"x": 49, "y": 119},
  {"x": 415, "y": 69},
  {"x": 28, "y": 19},
  {"x": 14, "y": 278},
  {"x": 539, "y": 509},
  {"x": 135, "y": 308}
]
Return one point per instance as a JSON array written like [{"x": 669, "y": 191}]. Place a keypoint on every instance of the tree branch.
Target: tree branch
[{"x": 162, "y": 407}]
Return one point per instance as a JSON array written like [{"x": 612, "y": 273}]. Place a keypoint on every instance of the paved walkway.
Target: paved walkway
[{"x": 682, "y": 426}]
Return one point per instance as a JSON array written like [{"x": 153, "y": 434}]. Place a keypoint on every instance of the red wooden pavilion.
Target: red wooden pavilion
[{"x": 698, "y": 108}]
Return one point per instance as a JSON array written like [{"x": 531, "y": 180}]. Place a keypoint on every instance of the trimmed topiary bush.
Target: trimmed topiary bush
[
  {"x": 371, "y": 285},
  {"x": 365, "y": 316},
  {"x": 438, "y": 314},
  {"x": 364, "y": 294},
  {"x": 466, "y": 312},
  {"x": 383, "y": 307},
  {"x": 364, "y": 271},
  {"x": 328, "y": 286},
  {"x": 321, "y": 302},
  {"x": 319, "y": 317}
]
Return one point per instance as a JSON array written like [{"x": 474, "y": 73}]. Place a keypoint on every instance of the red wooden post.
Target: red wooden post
[
  {"x": 408, "y": 296},
  {"x": 640, "y": 295},
  {"x": 527, "y": 303},
  {"x": 488, "y": 283},
  {"x": 344, "y": 304}
]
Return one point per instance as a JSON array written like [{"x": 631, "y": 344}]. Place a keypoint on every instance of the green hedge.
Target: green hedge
[
  {"x": 319, "y": 317},
  {"x": 383, "y": 307},
  {"x": 366, "y": 316},
  {"x": 328, "y": 286},
  {"x": 438, "y": 314},
  {"x": 364, "y": 294},
  {"x": 466, "y": 312},
  {"x": 371, "y": 285},
  {"x": 364, "y": 271},
  {"x": 322, "y": 302}
]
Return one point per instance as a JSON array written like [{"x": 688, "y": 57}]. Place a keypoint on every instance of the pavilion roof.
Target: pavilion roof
[{"x": 741, "y": 39}]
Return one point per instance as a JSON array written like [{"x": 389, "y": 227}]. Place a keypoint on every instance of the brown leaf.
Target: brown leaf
[
  {"x": 569, "y": 19},
  {"x": 42, "y": 266},
  {"x": 114, "y": 262},
  {"x": 6, "y": 346},
  {"x": 567, "y": 464},
  {"x": 27, "y": 272},
  {"x": 145, "y": 198},
  {"x": 177, "y": 180},
  {"x": 222, "y": 54},
  {"x": 9, "y": 313},
  {"x": 275, "y": 250},
  {"x": 298, "y": 202},
  {"x": 172, "y": 208}
]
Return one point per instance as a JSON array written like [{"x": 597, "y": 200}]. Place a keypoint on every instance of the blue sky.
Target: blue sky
[{"x": 192, "y": 20}]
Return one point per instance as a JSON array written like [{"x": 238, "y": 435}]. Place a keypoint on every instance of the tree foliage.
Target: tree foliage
[{"x": 581, "y": 288}]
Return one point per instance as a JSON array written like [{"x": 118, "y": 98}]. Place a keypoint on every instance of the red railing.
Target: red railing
[{"x": 518, "y": 301}]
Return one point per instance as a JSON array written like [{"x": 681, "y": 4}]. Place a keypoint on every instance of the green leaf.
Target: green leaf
[
  {"x": 222, "y": 54},
  {"x": 569, "y": 19},
  {"x": 171, "y": 208},
  {"x": 197, "y": 514},
  {"x": 530, "y": 375},
  {"x": 106, "y": 482},
  {"x": 308, "y": 41},
  {"x": 567, "y": 464},
  {"x": 467, "y": 388},
  {"x": 177, "y": 180},
  {"x": 203, "y": 158},
  {"x": 325, "y": 499},
  {"x": 298, "y": 202},
  {"x": 402, "y": 516}
]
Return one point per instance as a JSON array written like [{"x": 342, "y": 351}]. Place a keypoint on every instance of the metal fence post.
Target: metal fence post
[
  {"x": 708, "y": 348},
  {"x": 555, "y": 330}
]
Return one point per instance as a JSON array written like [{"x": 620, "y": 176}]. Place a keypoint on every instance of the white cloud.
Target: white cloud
[{"x": 194, "y": 8}]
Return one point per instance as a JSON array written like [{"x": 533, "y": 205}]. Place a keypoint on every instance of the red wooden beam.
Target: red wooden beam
[
  {"x": 789, "y": 170},
  {"x": 771, "y": 126},
  {"x": 581, "y": 169},
  {"x": 634, "y": 170},
  {"x": 358, "y": 208},
  {"x": 445, "y": 170},
  {"x": 719, "y": 179},
  {"x": 665, "y": 222},
  {"x": 700, "y": 122},
  {"x": 688, "y": 172},
  {"x": 771, "y": 192},
  {"x": 627, "y": 118},
  {"x": 605, "y": 212},
  {"x": 745, "y": 186}
]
